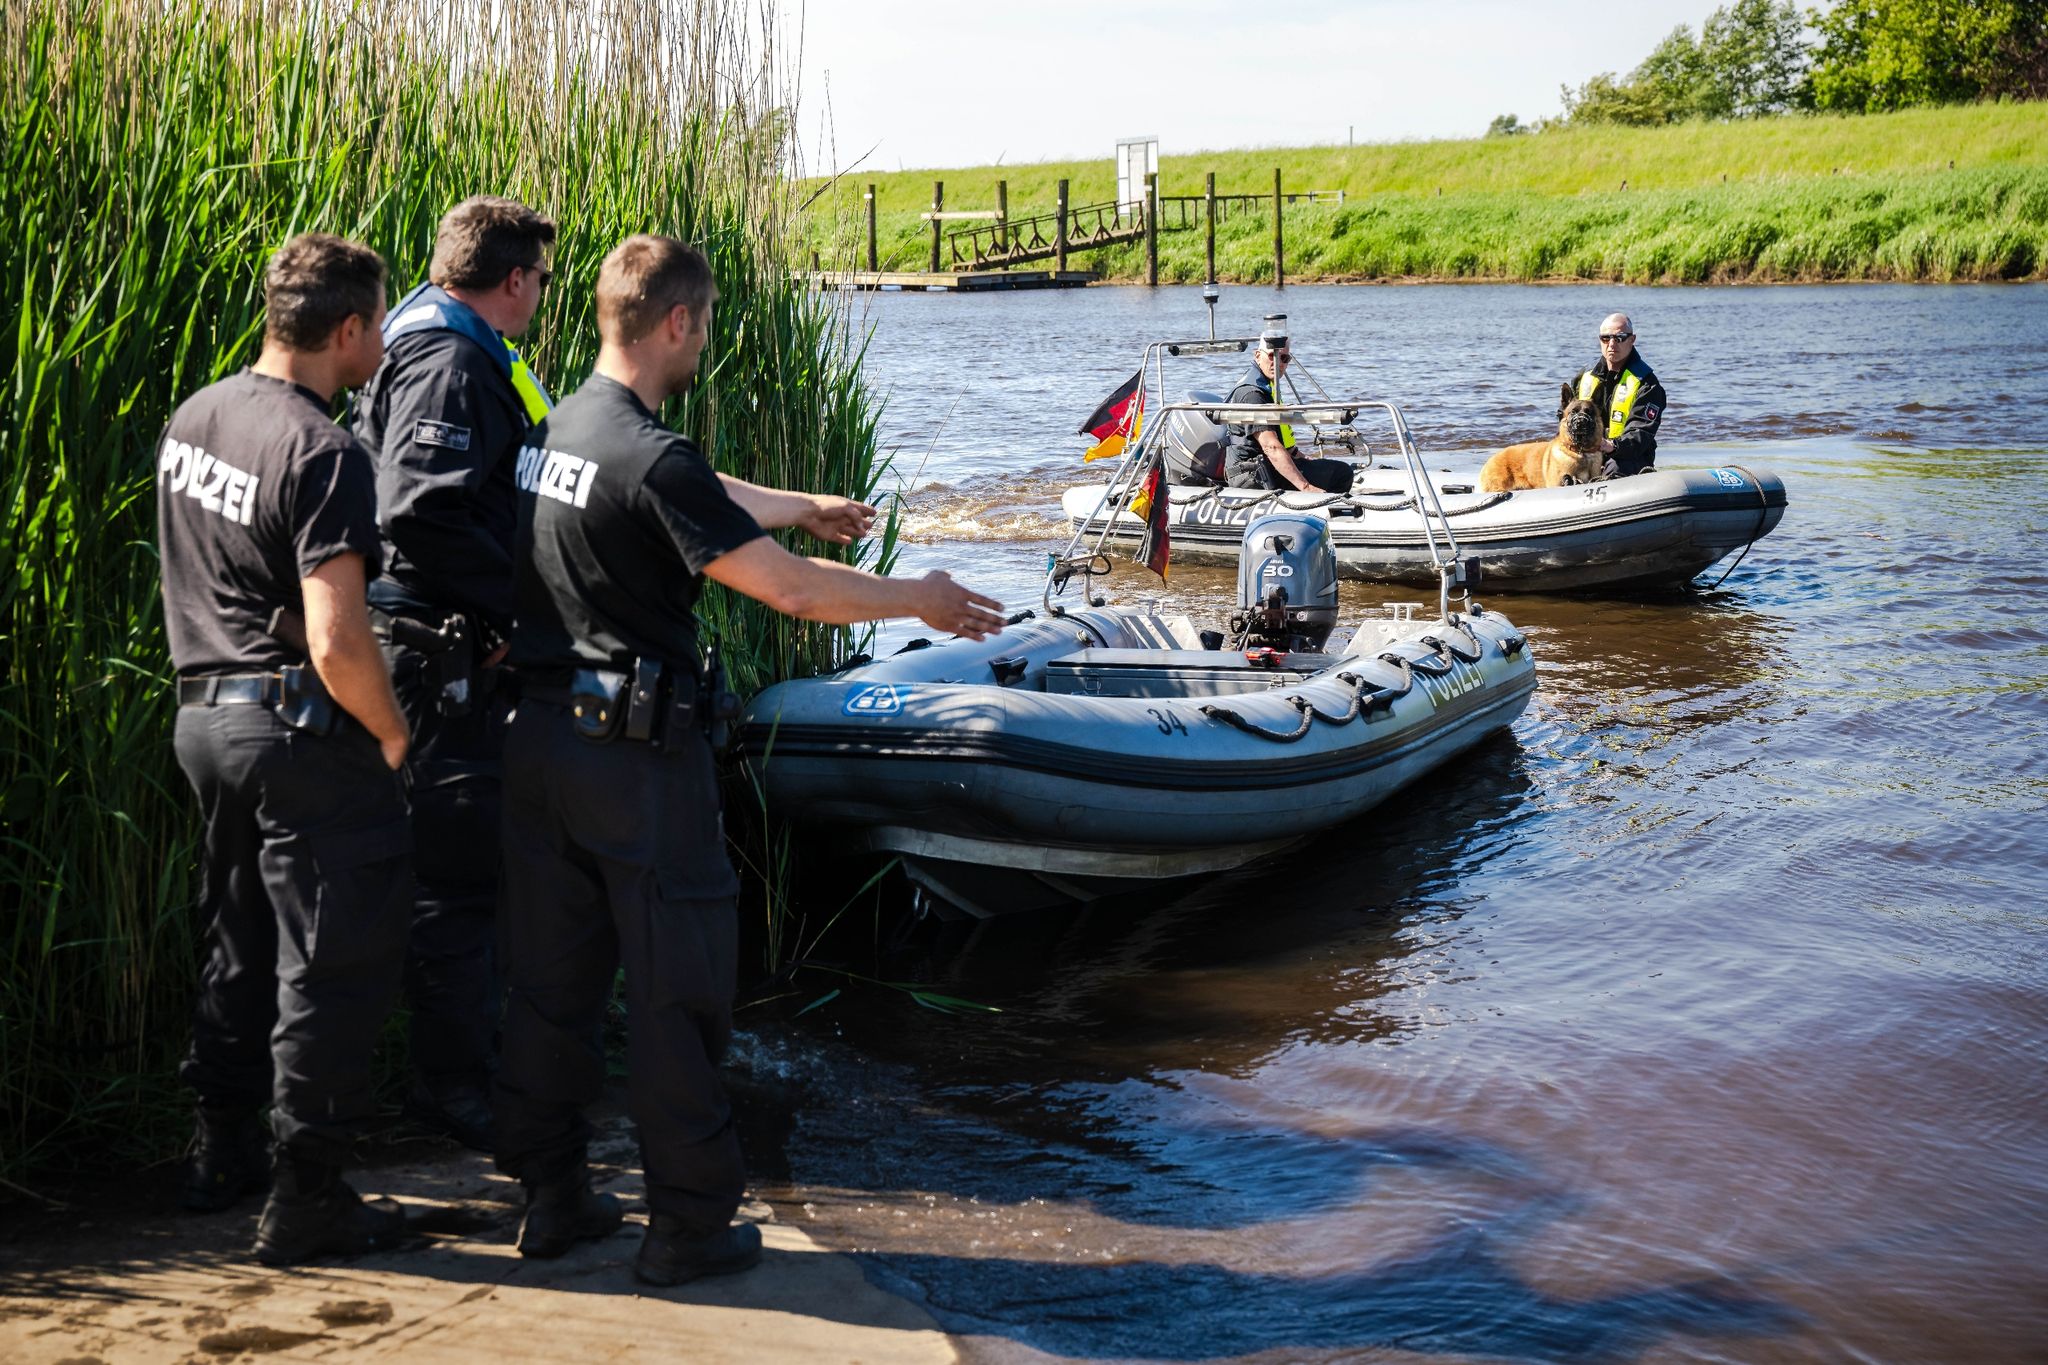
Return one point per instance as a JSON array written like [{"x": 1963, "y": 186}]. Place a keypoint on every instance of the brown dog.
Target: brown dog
[{"x": 1574, "y": 457}]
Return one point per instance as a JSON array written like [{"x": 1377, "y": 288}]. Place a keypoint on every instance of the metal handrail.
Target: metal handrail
[{"x": 1135, "y": 466}]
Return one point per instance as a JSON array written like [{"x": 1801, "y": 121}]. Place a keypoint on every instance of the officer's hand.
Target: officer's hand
[
  {"x": 497, "y": 656},
  {"x": 1606, "y": 446},
  {"x": 394, "y": 751},
  {"x": 1610, "y": 470},
  {"x": 837, "y": 521},
  {"x": 949, "y": 607}
]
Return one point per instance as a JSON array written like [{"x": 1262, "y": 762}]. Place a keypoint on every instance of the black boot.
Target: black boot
[
  {"x": 563, "y": 1212},
  {"x": 462, "y": 1111},
  {"x": 230, "y": 1158},
  {"x": 670, "y": 1254},
  {"x": 312, "y": 1213}
]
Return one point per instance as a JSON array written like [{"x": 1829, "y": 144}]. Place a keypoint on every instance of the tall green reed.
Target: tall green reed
[{"x": 152, "y": 154}]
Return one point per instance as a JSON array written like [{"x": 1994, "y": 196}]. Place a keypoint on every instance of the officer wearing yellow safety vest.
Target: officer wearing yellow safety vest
[
  {"x": 444, "y": 419},
  {"x": 1266, "y": 456},
  {"x": 1629, "y": 396}
]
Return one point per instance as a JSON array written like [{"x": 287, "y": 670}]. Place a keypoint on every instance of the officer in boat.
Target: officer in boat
[
  {"x": 1265, "y": 456},
  {"x": 444, "y": 419},
  {"x": 1630, "y": 398},
  {"x": 614, "y": 846},
  {"x": 289, "y": 733}
]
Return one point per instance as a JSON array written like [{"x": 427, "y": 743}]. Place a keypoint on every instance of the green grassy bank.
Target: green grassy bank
[
  {"x": 153, "y": 155},
  {"x": 1928, "y": 194}
]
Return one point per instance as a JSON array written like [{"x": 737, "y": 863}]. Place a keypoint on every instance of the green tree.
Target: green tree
[
  {"x": 1877, "y": 55},
  {"x": 1749, "y": 59},
  {"x": 1505, "y": 125}
]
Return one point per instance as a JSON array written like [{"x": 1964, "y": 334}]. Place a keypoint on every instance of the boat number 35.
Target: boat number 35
[
  {"x": 1596, "y": 492},
  {"x": 1169, "y": 723}
]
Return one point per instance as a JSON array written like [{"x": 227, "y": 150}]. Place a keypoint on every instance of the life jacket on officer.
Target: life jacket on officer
[
  {"x": 1627, "y": 385},
  {"x": 431, "y": 308}
]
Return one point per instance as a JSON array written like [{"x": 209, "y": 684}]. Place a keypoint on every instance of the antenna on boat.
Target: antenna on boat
[{"x": 1210, "y": 293}]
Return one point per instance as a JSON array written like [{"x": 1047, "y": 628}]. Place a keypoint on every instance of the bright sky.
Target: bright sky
[{"x": 966, "y": 82}]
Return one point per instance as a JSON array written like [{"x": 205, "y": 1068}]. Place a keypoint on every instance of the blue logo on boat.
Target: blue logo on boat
[
  {"x": 876, "y": 699},
  {"x": 1730, "y": 479}
]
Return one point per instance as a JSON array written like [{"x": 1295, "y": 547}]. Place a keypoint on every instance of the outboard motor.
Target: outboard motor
[
  {"x": 1286, "y": 584},
  {"x": 1197, "y": 449}
]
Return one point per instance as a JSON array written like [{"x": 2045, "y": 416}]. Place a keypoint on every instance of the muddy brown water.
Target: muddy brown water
[{"x": 1702, "y": 1017}]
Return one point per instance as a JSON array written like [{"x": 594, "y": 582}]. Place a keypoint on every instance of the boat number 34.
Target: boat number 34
[{"x": 1169, "y": 723}]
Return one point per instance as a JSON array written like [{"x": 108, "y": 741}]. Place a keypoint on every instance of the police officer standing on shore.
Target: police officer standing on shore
[
  {"x": 289, "y": 734},
  {"x": 443, "y": 419},
  {"x": 1630, "y": 398},
  {"x": 615, "y": 852}
]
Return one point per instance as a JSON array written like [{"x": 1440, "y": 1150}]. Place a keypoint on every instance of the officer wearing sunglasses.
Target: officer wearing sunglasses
[{"x": 1629, "y": 395}]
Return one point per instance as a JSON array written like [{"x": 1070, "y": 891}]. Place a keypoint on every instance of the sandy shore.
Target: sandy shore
[{"x": 115, "y": 1284}]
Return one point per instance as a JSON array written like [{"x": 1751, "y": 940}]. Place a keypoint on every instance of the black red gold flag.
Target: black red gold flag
[
  {"x": 1117, "y": 419},
  {"x": 1151, "y": 504}
]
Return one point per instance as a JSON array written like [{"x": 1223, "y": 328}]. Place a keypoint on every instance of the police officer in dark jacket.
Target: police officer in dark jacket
[
  {"x": 444, "y": 419},
  {"x": 1265, "y": 456},
  {"x": 289, "y": 733},
  {"x": 615, "y": 854},
  {"x": 1629, "y": 396}
]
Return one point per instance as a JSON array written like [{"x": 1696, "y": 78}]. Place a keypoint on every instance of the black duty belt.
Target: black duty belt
[{"x": 232, "y": 689}]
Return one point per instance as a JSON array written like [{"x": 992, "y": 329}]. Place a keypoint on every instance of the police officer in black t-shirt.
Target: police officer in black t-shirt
[
  {"x": 614, "y": 849},
  {"x": 289, "y": 733},
  {"x": 444, "y": 418}
]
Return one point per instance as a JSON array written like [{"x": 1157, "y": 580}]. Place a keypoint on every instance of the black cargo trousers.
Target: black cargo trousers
[
  {"x": 615, "y": 857},
  {"x": 306, "y": 876},
  {"x": 451, "y": 977}
]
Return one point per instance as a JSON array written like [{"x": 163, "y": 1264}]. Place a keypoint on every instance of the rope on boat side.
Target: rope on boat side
[
  {"x": 1763, "y": 512},
  {"x": 1365, "y": 700}
]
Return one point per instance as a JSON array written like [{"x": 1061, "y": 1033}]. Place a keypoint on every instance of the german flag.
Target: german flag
[
  {"x": 1117, "y": 419},
  {"x": 1150, "y": 503}
]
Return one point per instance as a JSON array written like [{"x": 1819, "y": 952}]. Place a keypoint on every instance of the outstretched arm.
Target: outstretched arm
[
  {"x": 839, "y": 594},
  {"x": 834, "y": 520}
]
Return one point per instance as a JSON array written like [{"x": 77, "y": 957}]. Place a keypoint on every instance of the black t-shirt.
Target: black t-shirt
[
  {"x": 444, "y": 425},
  {"x": 618, "y": 515},
  {"x": 256, "y": 488}
]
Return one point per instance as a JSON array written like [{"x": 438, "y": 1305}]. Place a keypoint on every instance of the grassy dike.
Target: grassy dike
[
  {"x": 1929, "y": 194},
  {"x": 154, "y": 153}
]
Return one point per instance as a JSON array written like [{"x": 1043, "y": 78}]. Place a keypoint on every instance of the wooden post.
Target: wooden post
[
  {"x": 1210, "y": 218},
  {"x": 1059, "y": 232},
  {"x": 939, "y": 206},
  {"x": 1152, "y": 228},
  {"x": 872, "y": 266},
  {"x": 1002, "y": 242},
  {"x": 1279, "y": 252}
]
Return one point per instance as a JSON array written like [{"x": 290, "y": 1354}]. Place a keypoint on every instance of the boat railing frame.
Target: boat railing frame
[{"x": 1137, "y": 462}]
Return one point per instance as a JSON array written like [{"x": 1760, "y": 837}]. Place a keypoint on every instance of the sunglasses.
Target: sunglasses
[
  {"x": 1606, "y": 337},
  {"x": 1281, "y": 354},
  {"x": 543, "y": 272}
]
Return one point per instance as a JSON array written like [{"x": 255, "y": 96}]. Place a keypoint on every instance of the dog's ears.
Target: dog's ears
[{"x": 1564, "y": 393}]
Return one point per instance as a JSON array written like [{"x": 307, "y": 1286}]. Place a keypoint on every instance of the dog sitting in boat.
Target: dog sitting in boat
[{"x": 1574, "y": 457}]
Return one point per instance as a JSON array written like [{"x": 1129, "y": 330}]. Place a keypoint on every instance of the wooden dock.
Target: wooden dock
[{"x": 947, "y": 281}]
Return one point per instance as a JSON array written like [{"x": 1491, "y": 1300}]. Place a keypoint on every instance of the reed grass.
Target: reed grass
[
  {"x": 1926, "y": 194},
  {"x": 154, "y": 153}
]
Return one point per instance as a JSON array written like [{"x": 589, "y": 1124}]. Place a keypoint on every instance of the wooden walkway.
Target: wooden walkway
[{"x": 947, "y": 281}]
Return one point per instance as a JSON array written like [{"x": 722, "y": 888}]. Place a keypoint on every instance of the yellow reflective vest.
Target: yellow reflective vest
[
  {"x": 532, "y": 396},
  {"x": 1626, "y": 387}
]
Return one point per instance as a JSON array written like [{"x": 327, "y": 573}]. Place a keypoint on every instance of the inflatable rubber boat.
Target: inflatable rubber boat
[
  {"x": 1087, "y": 750},
  {"x": 1662, "y": 528}
]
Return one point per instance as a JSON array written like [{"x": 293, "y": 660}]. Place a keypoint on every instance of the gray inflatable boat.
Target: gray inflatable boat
[
  {"x": 1658, "y": 529},
  {"x": 1085, "y": 751}
]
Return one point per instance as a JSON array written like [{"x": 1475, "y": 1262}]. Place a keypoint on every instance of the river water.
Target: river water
[{"x": 1703, "y": 1017}]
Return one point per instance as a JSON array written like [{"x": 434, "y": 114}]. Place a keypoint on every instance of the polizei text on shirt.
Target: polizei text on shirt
[
  {"x": 212, "y": 482},
  {"x": 556, "y": 474}
]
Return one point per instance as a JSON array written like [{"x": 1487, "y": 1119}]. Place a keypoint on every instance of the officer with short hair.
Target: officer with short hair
[
  {"x": 1265, "y": 456},
  {"x": 1629, "y": 395},
  {"x": 289, "y": 733},
  {"x": 614, "y": 848},
  {"x": 444, "y": 419}
]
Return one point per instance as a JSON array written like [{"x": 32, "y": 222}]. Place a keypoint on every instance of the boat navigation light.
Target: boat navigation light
[{"x": 1210, "y": 293}]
